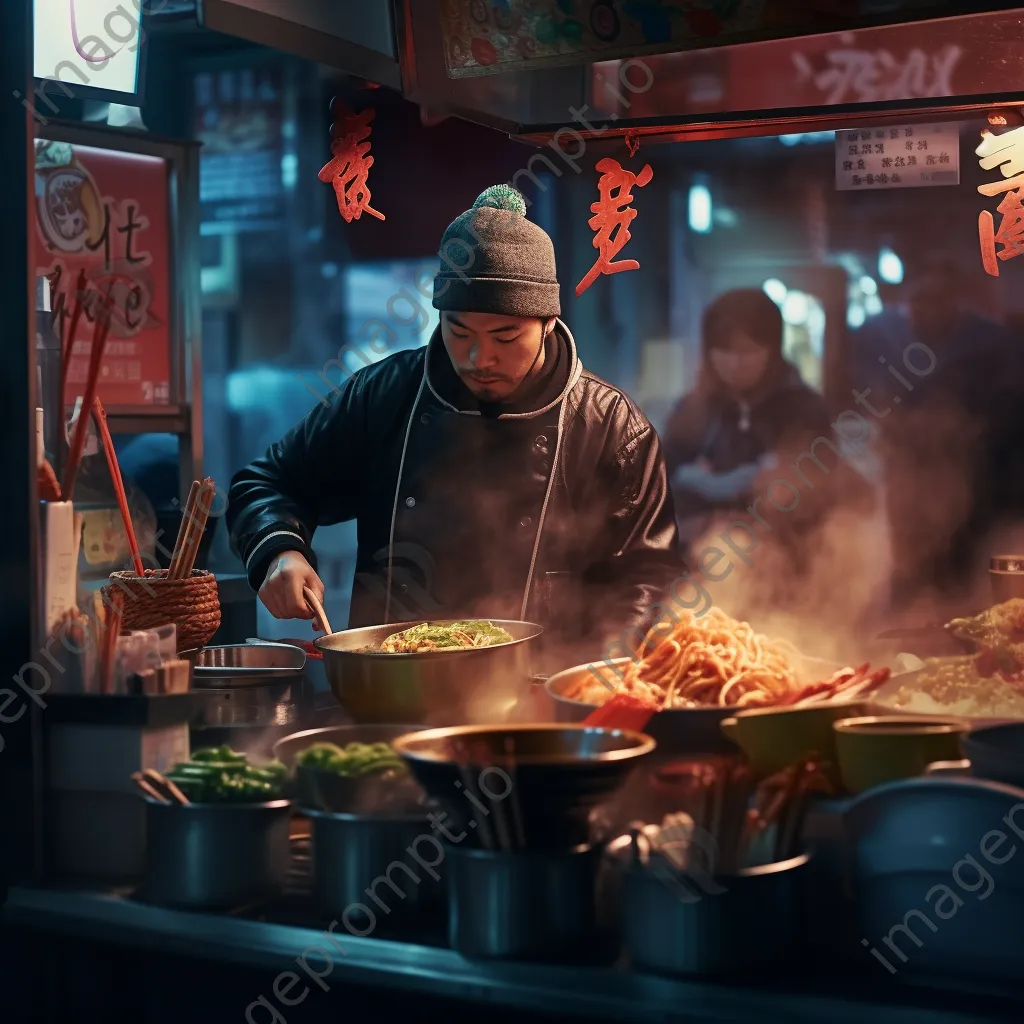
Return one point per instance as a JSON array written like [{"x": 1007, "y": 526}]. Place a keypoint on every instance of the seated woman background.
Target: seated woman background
[
  {"x": 749, "y": 403},
  {"x": 736, "y": 449}
]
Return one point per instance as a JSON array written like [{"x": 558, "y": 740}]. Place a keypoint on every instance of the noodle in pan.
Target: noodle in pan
[{"x": 707, "y": 661}]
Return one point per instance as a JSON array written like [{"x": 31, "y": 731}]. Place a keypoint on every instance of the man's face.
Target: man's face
[
  {"x": 934, "y": 309},
  {"x": 493, "y": 354}
]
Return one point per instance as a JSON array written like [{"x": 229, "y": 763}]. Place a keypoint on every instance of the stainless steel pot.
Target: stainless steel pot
[
  {"x": 215, "y": 856},
  {"x": 362, "y": 863},
  {"x": 746, "y": 923},
  {"x": 475, "y": 686},
  {"x": 522, "y": 904}
]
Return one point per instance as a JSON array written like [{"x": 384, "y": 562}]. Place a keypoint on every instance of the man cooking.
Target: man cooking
[{"x": 489, "y": 474}]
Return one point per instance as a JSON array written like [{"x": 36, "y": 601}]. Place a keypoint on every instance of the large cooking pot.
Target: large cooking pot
[
  {"x": 474, "y": 686},
  {"x": 215, "y": 856},
  {"x": 361, "y": 859}
]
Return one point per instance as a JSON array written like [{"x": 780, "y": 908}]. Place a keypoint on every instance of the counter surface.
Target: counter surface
[{"x": 591, "y": 993}]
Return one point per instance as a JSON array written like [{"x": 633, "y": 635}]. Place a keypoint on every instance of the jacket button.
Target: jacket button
[
  {"x": 425, "y": 418},
  {"x": 410, "y": 502},
  {"x": 404, "y": 588},
  {"x": 526, "y": 522}
]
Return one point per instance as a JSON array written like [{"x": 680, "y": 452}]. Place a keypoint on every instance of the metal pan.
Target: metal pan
[
  {"x": 677, "y": 731},
  {"x": 475, "y": 686},
  {"x": 247, "y": 664}
]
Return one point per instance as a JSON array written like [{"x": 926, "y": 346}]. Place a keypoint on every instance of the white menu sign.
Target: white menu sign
[{"x": 910, "y": 156}]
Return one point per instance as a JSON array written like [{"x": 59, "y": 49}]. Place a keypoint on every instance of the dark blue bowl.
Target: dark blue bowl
[{"x": 996, "y": 752}]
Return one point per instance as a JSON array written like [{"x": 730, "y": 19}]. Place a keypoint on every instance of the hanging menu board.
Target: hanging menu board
[
  {"x": 105, "y": 212},
  {"x": 911, "y": 156}
]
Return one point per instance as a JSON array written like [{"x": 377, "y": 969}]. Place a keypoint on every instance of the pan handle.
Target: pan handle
[{"x": 318, "y": 609}]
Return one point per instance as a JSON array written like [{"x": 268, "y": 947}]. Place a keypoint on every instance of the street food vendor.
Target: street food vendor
[{"x": 490, "y": 475}]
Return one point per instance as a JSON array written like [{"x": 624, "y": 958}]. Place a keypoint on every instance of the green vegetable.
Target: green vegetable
[
  {"x": 219, "y": 775},
  {"x": 355, "y": 760},
  {"x": 219, "y": 755}
]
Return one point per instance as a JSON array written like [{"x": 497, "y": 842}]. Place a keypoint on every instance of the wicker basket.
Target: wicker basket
[{"x": 191, "y": 604}]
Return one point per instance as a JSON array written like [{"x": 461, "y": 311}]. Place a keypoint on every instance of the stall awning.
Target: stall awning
[
  {"x": 530, "y": 69},
  {"x": 357, "y": 38}
]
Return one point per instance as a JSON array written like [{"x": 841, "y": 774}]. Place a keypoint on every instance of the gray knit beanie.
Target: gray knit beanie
[{"x": 493, "y": 260}]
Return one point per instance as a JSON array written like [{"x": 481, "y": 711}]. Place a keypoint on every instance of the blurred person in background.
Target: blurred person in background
[
  {"x": 948, "y": 446},
  {"x": 748, "y": 405},
  {"x": 751, "y": 425}
]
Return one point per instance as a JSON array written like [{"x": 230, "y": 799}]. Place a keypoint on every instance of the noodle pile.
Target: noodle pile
[{"x": 706, "y": 661}]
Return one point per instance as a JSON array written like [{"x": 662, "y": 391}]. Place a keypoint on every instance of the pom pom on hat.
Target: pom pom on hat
[{"x": 502, "y": 197}]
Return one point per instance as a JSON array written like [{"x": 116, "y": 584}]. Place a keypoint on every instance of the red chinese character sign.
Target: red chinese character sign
[
  {"x": 350, "y": 163},
  {"x": 1006, "y": 152},
  {"x": 613, "y": 213},
  {"x": 102, "y": 229}
]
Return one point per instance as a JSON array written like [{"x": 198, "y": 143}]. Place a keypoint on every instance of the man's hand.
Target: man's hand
[{"x": 281, "y": 592}]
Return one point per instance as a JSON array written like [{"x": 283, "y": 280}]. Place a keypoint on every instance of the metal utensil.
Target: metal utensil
[{"x": 434, "y": 688}]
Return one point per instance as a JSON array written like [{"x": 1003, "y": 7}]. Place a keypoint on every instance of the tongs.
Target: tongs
[
  {"x": 159, "y": 788},
  {"x": 622, "y": 711}
]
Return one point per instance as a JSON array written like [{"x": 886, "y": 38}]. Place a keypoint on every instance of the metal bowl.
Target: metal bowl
[
  {"x": 320, "y": 790},
  {"x": 480, "y": 685},
  {"x": 246, "y": 664},
  {"x": 997, "y": 753},
  {"x": 525, "y": 785},
  {"x": 884, "y": 702}
]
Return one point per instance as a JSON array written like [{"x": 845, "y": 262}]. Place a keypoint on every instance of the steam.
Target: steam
[{"x": 830, "y": 585}]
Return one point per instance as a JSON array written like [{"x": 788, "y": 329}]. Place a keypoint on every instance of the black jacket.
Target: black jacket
[{"x": 463, "y": 513}]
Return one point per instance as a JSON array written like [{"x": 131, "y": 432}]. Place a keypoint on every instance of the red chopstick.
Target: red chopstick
[
  {"x": 67, "y": 345},
  {"x": 115, "y": 475},
  {"x": 101, "y": 327}
]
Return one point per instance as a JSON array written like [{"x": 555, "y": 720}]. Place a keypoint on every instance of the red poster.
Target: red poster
[{"x": 106, "y": 212}]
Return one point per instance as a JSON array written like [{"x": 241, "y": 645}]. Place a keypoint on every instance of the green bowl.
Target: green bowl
[
  {"x": 775, "y": 738},
  {"x": 878, "y": 749}
]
